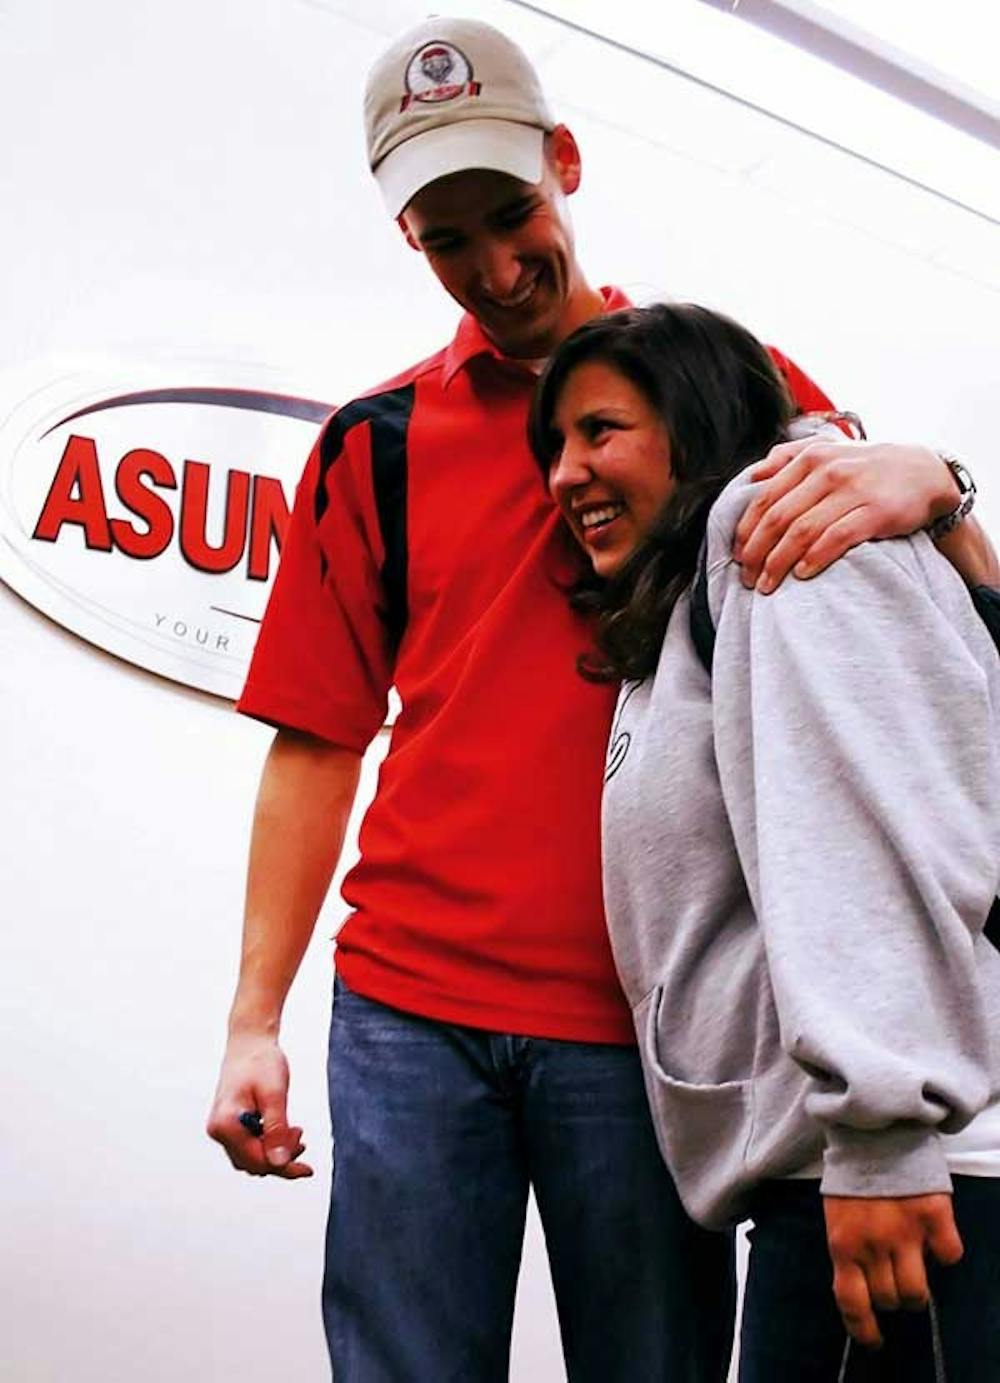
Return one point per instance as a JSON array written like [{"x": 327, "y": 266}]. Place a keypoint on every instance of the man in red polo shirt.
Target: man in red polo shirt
[{"x": 479, "y": 1043}]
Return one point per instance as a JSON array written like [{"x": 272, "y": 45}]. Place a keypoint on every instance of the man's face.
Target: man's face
[{"x": 504, "y": 251}]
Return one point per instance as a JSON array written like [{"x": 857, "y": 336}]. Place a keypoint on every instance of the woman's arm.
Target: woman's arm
[
  {"x": 854, "y": 734},
  {"x": 879, "y": 1250}
]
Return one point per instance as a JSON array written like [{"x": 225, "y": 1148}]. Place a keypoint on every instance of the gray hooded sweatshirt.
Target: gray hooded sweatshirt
[{"x": 800, "y": 852}]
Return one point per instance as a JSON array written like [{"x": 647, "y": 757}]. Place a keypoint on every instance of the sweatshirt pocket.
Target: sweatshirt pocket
[{"x": 703, "y": 1129}]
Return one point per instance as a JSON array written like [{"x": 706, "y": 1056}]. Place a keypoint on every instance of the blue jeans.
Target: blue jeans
[
  {"x": 438, "y": 1133},
  {"x": 792, "y": 1332}
]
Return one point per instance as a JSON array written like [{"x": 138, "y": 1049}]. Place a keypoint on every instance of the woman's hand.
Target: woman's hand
[{"x": 878, "y": 1248}]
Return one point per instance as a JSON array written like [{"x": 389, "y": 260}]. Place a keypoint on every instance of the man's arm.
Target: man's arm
[
  {"x": 971, "y": 553},
  {"x": 306, "y": 791},
  {"x": 825, "y": 497}
]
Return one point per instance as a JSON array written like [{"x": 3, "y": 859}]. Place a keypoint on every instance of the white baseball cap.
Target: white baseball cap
[{"x": 449, "y": 95}]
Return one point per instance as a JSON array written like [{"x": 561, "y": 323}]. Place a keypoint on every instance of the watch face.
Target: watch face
[
  {"x": 963, "y": 479},
  {"x": 966, "y": 498}
]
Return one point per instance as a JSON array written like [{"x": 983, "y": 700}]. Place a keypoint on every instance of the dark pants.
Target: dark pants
[
  {"x": 438, "y": 1133},
  {"x": 792, "y": 1331}
]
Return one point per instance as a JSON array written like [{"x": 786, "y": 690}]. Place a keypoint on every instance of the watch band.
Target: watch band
[{"x": 967, "y": 498}]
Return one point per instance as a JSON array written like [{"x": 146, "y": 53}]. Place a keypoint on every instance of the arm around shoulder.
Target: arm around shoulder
[
  {"x": 823, "y": 497},
  {"x": 971, "y": 553}
]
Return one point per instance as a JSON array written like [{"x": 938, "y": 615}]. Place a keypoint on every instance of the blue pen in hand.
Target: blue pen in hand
[{"x": 253, "y": 1122}]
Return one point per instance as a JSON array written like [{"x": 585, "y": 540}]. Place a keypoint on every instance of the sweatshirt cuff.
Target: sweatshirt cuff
[{"x": 904, "y": 1159}]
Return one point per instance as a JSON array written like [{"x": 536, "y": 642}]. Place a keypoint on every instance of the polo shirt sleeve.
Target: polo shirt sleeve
[{"x": 324, "y": 657}]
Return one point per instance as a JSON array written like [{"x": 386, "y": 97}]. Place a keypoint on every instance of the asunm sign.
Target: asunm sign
[{"x": 146, "y": 514}]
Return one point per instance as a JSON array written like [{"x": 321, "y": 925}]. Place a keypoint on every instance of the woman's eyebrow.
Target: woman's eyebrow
[{"x": 602, "y": 410}]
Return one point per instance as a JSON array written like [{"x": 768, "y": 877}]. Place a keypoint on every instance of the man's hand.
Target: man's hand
[
  {"x": 825, "y": 496},
  {"x": 305, "y": 797},
  {"x": 254, "y": 1077},
  {"x": 878, "y": 1249}
]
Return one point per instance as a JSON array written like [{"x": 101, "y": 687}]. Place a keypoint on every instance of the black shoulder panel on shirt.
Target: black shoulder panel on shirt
[{"x": 388, "y": 416}]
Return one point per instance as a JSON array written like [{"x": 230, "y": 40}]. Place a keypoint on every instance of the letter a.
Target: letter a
[{"x": 78, "y": 471}]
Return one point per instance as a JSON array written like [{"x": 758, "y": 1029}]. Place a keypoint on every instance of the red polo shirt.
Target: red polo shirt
[{"x": 424, "y": 552}]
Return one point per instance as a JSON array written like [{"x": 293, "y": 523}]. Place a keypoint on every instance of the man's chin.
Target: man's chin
[{"x": 532, "y": 341}]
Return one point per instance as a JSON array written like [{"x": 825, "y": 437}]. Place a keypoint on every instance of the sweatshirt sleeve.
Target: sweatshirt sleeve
[{"x": 855, "y": 736}]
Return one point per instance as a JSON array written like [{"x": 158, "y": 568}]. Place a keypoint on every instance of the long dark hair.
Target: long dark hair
[{"x": 723, "y": 403}]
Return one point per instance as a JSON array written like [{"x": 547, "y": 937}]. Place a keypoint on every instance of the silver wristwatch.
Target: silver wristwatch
[{"x": 967, "y": 498}]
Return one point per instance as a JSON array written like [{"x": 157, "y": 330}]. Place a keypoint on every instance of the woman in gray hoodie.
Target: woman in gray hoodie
[{"x": 801, "y": 846}]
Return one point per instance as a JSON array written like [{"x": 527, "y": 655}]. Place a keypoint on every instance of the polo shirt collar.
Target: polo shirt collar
[{"x": 470, "y": 341}]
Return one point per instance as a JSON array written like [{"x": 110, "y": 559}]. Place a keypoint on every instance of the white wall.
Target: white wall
[{"x": 188, "y": 177}]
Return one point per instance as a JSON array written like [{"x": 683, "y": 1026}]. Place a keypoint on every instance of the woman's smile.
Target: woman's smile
[{"x": 611, "y": 476}]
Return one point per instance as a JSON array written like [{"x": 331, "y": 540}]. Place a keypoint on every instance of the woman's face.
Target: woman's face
[{"x": 612, "y": 476}]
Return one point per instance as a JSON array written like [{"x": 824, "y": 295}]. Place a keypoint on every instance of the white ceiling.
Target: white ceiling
[
  {"x": 960, "y": 39},
  {"x": 755, "y": 68}
]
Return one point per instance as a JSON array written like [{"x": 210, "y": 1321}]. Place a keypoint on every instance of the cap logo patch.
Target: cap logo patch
[{"x": 438, "y": 72}]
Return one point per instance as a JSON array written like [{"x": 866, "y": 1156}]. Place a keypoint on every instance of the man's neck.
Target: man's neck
[{"x": 584, "y": 303}]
